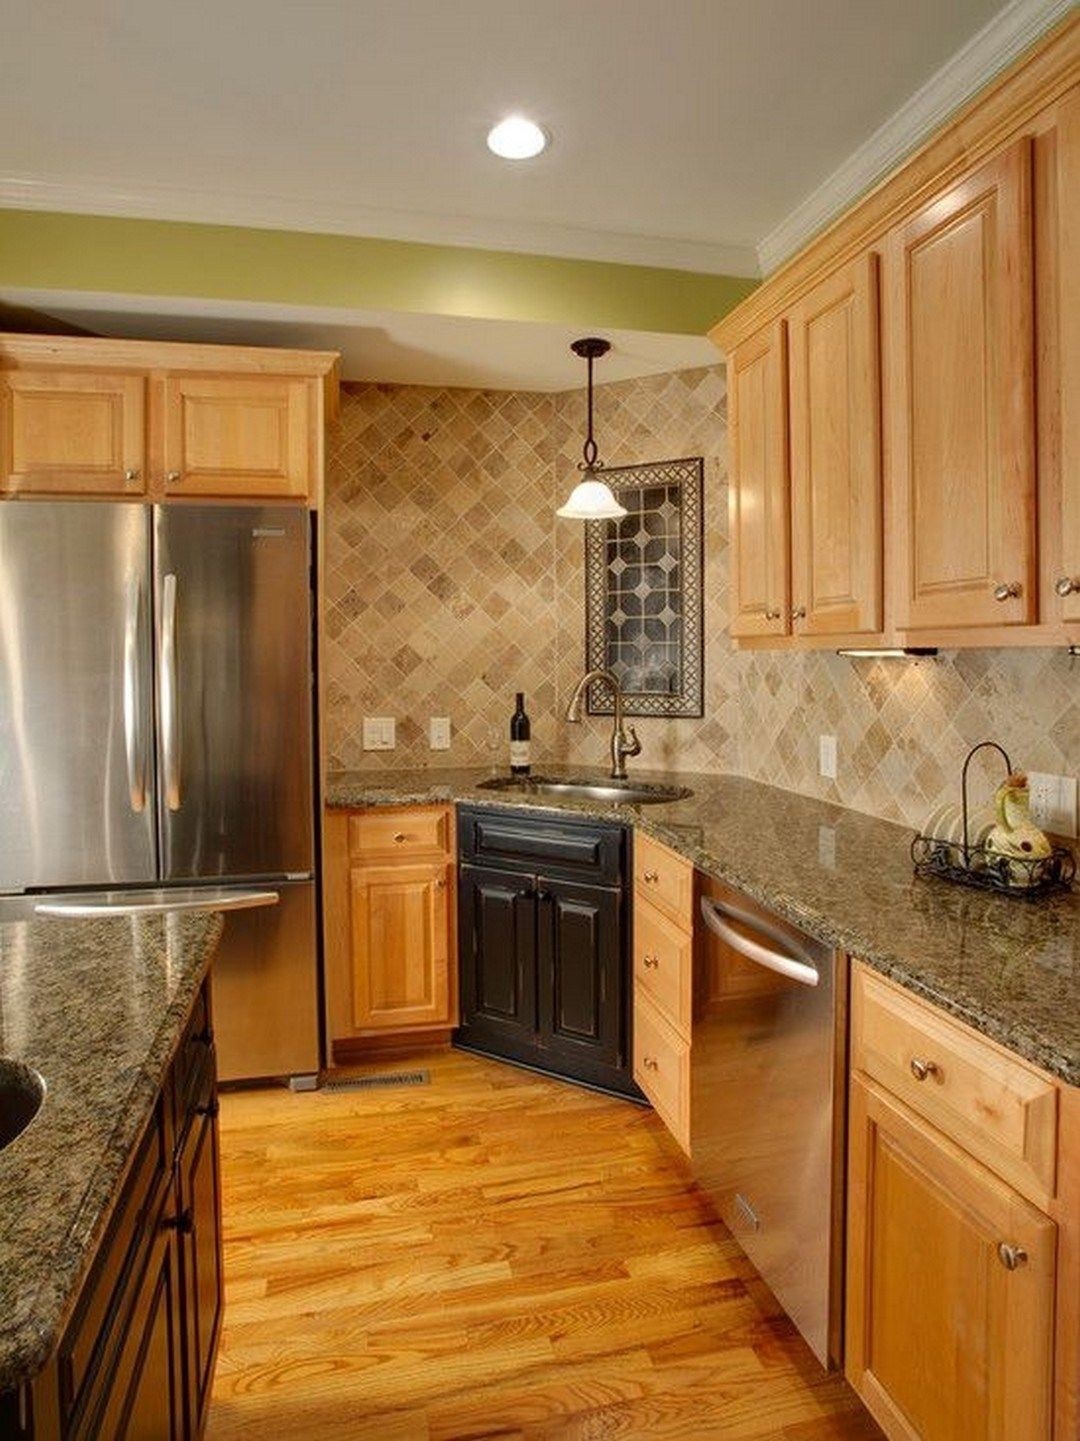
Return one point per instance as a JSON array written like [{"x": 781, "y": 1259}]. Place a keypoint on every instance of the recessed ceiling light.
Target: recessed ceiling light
[{"x": 516, "y": 138}]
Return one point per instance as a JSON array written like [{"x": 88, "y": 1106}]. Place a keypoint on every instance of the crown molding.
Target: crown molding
[
  {"x": 91, "y": 196},
  {"x": 998, "y": 43}
]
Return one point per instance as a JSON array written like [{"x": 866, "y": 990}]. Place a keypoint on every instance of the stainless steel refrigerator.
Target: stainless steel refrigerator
[{"x": 156, "y": 740}]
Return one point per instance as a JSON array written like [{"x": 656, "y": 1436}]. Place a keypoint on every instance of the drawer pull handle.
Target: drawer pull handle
[
  {"x": 921, "y": 1069},
  {"x": 652, "y": 962},
  {"x": 771, "y": 614},
  {"x": 1067, "y": 586},
  {"x": 651, "y": 877},
  {"x": 400, "y": 836},
  {"x": 1012, "y": 1257},
  {"x": 172, "y": 476},
  {"x": 131, "y": 474},
  {"x": 183, "y": 1224},
  {"x": 1007, "y": 590},
  {"x": 651, "y": 1063}
]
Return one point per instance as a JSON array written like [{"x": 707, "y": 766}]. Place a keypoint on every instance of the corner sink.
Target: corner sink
[
  {"x": 21, "y": 1093},
  {"x": 611, "y": 792}
]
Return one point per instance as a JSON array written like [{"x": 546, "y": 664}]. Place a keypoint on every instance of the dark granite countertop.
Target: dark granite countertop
[
  {"x": 98, "y": 1007},
  {"x": 1010, "y": 968}
]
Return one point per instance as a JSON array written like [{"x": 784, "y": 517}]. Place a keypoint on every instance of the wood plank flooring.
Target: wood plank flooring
[{"x": 494, "y": 1255}]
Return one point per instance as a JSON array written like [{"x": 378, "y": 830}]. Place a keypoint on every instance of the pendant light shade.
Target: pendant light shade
[{"x": 592, "y": 498}]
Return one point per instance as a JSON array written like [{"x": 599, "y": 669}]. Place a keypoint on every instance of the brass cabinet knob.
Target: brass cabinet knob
[
  {"x": 1012, "y": 1257},
  {"x": 798, "y": 613},
  {"x": 651, "y": 1063},
  {"x": 651, "y": 962},
  {"x": 1008, "y": 590},
  {"x": 172, "y": 476},
  {"x": 922, "y": 1069},
  {"x": 131, "y": 474},
  {"x": 400, "y": 836},
  {"x": 771, "y": 614},
  {"x": 651, "y": 877},
  {"x": 440, "y": 884},
  {"x": 1067, "y": 585}
]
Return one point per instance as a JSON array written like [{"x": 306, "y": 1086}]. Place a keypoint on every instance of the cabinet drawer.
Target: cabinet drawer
[
  {"x": 666, "y": 880},
  {"x": 663, "y": 959},
  {"x": 662, "y": 1068},
  {"x": 996, "y": 1107},
  {"x": 582, "y": 851},
  {"x": 384, "y": 834}
]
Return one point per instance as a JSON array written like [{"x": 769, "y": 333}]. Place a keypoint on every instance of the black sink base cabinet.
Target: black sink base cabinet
[
  {"x": 543, "y": 945},
  {"x": 137, "y": 1358}
]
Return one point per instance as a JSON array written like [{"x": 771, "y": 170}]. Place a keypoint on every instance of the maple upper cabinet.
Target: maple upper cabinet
[
  {"x": 758, "y": 490},
  {"x": 835, "y": 424},
  {"x": 959, "y": 358},
  {"x": 72, "y": 431},
  {"x": 82, "y": 416},
  {"x": 236, "y": 435},
  {"x": 389, "y": 923}
]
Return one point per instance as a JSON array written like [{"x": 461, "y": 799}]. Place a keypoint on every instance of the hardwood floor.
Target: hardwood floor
[{"x": 493, "y": 1255}]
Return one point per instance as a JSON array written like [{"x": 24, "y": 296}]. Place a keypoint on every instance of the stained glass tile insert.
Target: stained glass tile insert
[{"x": 643, "y": 591}]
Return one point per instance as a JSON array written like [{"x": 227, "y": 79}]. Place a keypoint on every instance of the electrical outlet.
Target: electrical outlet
[
  {"x": 380, "y": 733},
  {"x": 827, "y": 757},
  {"x": 439, "y": 732},
  {"x": 1053, "y": 802}
]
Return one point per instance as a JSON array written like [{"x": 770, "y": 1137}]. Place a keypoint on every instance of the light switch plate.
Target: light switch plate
[
  {"x": 1053, "y": 802},
  {"x": 379, "y": 733},
  {"x": 827, "y": 757},
  {"x": 439, "y": 732}
]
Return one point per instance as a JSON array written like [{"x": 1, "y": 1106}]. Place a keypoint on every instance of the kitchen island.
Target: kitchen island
[{"x": 99, "y": 1009}]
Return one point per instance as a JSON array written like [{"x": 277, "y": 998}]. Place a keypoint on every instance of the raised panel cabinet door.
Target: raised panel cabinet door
[
  {"x": 236, "y": 435},
  {"x": 959, "y": 354},
  {"x": 758, "y": 485},
  {"x": 71, "y": 432},
  {"x": 497, "y": 929},
  {"x": 401, "y": 946},
  {"x": 202, "y": 1278},
  {"x": 835, "y": 417},
  {"x": 580, "y": 969},
  {"x": 1063, "y": 382},
  {"x": 950, "y": 1285}
]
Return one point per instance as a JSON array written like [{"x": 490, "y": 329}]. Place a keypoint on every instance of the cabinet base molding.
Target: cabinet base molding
[{"x": 354, "y": 1050}]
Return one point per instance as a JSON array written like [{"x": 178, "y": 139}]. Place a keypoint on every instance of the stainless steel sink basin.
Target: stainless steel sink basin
[
  {"x": 609, "y": 791},
  {"x": 21, "y": 1093}
]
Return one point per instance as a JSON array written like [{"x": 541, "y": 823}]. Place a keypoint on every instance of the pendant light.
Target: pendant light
[{"x": 592, "y": 498}]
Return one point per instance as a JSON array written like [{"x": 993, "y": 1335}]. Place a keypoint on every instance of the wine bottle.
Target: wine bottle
[{"x": 519, "y": 738}]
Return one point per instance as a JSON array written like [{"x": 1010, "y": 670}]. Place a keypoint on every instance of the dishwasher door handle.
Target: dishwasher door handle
[{"x": 716, "y": 918}]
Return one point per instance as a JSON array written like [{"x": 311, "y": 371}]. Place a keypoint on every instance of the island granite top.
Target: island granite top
[
  {"x": 1008, "y": 967},
  {"x": 97, "y": 1007}
]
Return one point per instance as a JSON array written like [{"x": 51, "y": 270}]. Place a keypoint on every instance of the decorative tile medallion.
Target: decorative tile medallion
[{"x": 643, "y": 592}]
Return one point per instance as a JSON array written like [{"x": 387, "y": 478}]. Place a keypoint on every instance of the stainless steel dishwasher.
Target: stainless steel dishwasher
[{"x": 767, "y": 1102}]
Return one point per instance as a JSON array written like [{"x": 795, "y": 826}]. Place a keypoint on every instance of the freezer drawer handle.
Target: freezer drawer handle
[
  {"x": 716, "y": 918},
  {"x": 156, "y": 904},
  {"x": 134, "y": 721},
  {"x": 170, "y": 724}
]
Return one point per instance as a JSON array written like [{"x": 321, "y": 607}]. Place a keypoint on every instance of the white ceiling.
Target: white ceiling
[
  {"x": 396, "y": 347},
  {"x": 684, "y": 131}
]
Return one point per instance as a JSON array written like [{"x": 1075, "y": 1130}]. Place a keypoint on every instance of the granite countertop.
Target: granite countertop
[
  {"x": 1008, "y": 967},
  {"x": 98, "y": 1007}
]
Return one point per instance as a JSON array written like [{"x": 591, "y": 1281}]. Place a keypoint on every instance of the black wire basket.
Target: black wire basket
[{"x": 974, "y": 865}]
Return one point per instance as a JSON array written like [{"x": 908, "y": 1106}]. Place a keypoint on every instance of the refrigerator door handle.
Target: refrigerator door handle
[
  {"x": 169, "y": 700},
  {"x": 119, "y": 903},
  {"x": 134, "y": 720}
]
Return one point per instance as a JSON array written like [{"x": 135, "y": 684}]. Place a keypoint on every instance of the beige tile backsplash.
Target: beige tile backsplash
[{"x": 450, "y": 584}]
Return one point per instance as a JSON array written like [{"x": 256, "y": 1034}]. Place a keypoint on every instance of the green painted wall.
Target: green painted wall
[{"x": 43, "y": 250}]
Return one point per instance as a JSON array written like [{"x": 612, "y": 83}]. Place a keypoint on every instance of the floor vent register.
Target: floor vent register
[{"x": 378, "y": 1082}]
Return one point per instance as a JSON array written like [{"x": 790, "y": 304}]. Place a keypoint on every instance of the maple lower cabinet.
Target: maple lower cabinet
[
  {"x": 236, "y": 435},
  {"x": 65, "y": 432},
  {"x": 758, "y": 494},
  {"x": 835, "y": 421},
  {"x": 963, "y": 1209},
  {"x": 389, "y": 900},
  {"x": 959, "y": 364}
]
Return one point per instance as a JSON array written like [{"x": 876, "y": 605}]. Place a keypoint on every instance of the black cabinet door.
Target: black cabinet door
[
  {"x": 580, "y": 964},
  {"x": 497, "y": 926},
  {"x": 200, "y": 1249},
  {"x": 143, "y": 1399}
]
